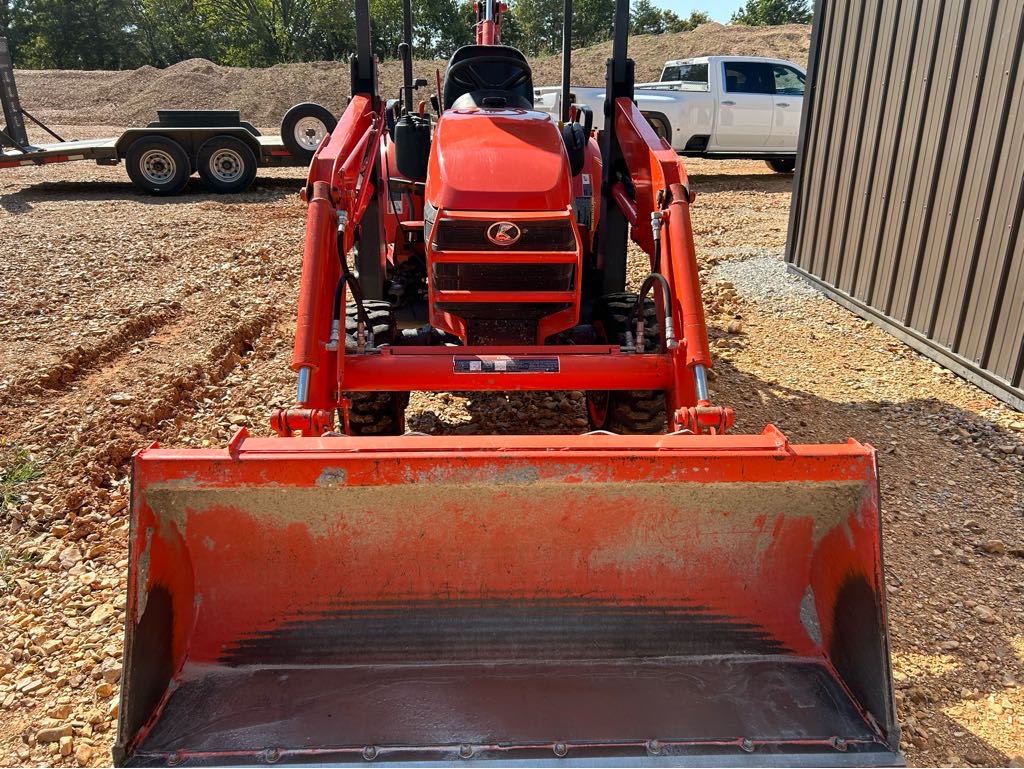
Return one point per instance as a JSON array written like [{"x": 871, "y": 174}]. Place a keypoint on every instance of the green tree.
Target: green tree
[
  {"x": 592, "y": 21},
  {"x": 259, "y": 33},
  {"x": 646, "y": 19},
  {"x": 439, "y": 27},
  {"x": 332, "y": 35},
  {"x": 12, "y": 23},
  {"x": 673, "y": 23},
  {"x": 169, "y": 31},
  {"x": 770, "y": 13},
  {"x": 538, "y": 23},
  {"x": 85, "y": 34}
]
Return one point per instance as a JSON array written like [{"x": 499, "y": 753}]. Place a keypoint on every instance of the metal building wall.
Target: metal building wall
[{"x": 910, "y": 186}]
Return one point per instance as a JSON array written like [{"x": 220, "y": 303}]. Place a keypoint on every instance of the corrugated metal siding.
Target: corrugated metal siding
[{"x": 909, "y": 193}]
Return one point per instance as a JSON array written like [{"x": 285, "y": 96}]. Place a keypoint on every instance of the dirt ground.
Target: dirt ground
[{"x": 128, "y": 319}]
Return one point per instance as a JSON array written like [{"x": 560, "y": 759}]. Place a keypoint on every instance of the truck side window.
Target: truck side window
[
  {"x": 788, "y": 81},
  {"x": 748, "y": 77}
]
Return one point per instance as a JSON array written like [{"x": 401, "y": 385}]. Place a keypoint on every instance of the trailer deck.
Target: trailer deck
[
  {"x": 101, "y": 150},
  {"x": 104, "y": 152}
]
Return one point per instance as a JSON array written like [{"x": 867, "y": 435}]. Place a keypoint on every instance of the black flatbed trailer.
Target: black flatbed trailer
[{"x": 223, "y": 149}]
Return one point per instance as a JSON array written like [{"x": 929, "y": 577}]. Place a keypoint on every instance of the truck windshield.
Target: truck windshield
[{"x": 688, "y": 73}]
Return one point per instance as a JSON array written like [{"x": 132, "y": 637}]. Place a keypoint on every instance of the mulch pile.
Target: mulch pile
[{"x": 132, "y": 97}]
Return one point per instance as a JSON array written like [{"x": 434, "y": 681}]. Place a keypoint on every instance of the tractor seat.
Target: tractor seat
[{"x": 488, "y": 72}]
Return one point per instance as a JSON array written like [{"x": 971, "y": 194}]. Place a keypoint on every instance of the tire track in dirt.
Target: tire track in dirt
[
  {"x": 84, "y": 359},
  {"x": 70, "y": 536},
  {"x": 129, "y": 328},
  {"x": 145, "y": 399}
]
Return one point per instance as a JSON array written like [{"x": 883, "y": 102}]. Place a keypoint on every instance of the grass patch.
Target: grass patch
[
  {"x": 8, "y": 561},
  {"x": 19, "y": 469}
]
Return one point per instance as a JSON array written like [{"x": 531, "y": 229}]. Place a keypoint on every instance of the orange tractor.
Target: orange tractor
[{"x": 655, "y": 591}]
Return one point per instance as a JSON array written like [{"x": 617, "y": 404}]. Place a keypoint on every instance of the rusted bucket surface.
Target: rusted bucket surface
[{"x": 661, "y": 598}]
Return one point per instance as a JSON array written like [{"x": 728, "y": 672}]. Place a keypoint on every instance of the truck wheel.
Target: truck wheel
[
  {"x": 304, "y": 126},
  {"x": 661, "y": 127},
  {"x": 158, "y": 165},
  {"x": 374, "y": 413},
  {"x": 786, "y": 166},
  {"x": 628, "y": 412},
  {"x": 227, "y": 164}
]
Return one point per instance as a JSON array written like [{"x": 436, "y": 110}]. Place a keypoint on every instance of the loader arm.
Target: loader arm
[
  {"x": 656, "y": 204},
  {"x": 338, "y": 190}
]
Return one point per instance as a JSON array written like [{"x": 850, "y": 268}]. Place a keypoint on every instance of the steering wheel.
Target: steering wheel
[{"x": 465, "y": 72}]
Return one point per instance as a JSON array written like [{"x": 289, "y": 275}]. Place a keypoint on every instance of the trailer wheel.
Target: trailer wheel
[
  {"x": 304, "y": 126},
  {"x": 227, "y": 164},
  {"x": 374, "y": 413},
  {"x": 628, "y": 412},
  {"x": 158, "y": 165},
  {"x": 786, "y": 166}
]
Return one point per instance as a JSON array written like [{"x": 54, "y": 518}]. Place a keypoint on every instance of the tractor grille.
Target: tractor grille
[
  {"x": 471, "y": 235},
  {"x": 449, "y": 276},
  {"x": 510, "y": 311}
]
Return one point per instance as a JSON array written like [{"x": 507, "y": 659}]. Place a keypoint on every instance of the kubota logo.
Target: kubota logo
[{"x": 504, "y": 233}]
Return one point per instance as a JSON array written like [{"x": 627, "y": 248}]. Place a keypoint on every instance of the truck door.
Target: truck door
[
  {"x": 789, "y": 101},
  {"x": 744, "y": 106}
]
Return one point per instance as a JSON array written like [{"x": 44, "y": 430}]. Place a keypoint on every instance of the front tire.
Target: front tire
[
  {"x": 372, "y": 412},
  {"x": 627, "y": 412},
  {"x": 227, "y": 164},
  {"x": 785, "y": 166},
  {"x": 158, "y": 166}
]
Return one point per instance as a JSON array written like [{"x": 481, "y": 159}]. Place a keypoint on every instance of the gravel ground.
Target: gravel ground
[{"x": 134, "y": 319}]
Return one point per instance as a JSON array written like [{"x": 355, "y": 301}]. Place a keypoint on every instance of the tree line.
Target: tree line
[{"x": 124, "y": 34}]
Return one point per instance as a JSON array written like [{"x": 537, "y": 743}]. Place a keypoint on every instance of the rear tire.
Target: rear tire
[
  {"x": 660, "y": 127},
  {"x": 158, "y": 166},
  {"x": 786, "y": 166},
  {"x": 374, "y": 413},
  {"x": 628, "y": 412},
  {"x": 304, "y": 127},
  {"x": 227, "y": 164}
]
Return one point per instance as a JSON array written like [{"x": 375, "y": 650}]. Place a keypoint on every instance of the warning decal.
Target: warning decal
[{"x": 504, "y": 364}]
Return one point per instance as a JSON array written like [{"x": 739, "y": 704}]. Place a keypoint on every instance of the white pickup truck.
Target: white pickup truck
[{"x": 714, "y": 107}]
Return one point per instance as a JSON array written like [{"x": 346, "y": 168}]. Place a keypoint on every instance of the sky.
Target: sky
[{"x": 719, "y": 10}]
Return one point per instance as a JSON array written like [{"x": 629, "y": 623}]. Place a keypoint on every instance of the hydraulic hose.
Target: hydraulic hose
[
  {"x": 357, "y": 291},
  {"x": 668, "y": 333}
]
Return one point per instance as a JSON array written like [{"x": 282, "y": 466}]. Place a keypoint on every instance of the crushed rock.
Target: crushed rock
[{"x": 188, "y": 305}]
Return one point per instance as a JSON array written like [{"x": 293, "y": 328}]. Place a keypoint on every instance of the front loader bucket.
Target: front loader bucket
[{"x": 559, "y": 599}]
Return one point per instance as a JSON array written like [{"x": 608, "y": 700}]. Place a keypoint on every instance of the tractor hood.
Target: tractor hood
[{"x": 498, "y": 159}]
